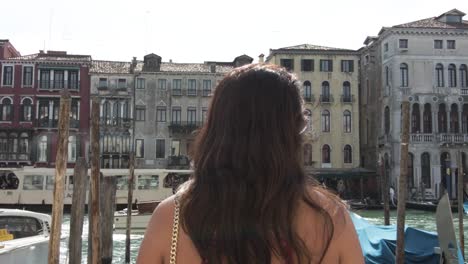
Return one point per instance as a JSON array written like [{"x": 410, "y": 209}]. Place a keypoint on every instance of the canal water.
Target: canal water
[{"x": 417, "y": 219}]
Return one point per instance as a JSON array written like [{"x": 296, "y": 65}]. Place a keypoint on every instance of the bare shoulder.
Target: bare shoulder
[
  {"x": 344, "y": 246},
  {"x": 156, "y": 243}
]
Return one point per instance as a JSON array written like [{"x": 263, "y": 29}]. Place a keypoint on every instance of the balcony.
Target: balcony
[
  {"x": 464, "y": 91},
  {"x": 191, "y": 92},
  {"x": 117, "y": 122},
  {"x": 347, "y": 98},
  {"x": 178, "y": 162},
  {"x": 453, "y": 138},
  {"x": 46, "y": 123},
  {"x": 184, "y": 127},
  {"x": 102, "y": 86},
  {"x": 422, "y": 138},
  {"x": 58, "y": 85},
  {"x": 309, "y": 98},
  {"x": 326, "y": 99},
  {"x": 7, "y": 157}
]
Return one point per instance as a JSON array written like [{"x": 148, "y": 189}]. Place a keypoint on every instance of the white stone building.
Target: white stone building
[{"x": 425, "y": 62}]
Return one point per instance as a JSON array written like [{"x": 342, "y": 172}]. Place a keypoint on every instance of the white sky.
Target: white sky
[{"x": 202, "y": 30}]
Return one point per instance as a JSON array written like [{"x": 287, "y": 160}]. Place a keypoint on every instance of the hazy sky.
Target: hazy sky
[{"x": 202, "y": 30}]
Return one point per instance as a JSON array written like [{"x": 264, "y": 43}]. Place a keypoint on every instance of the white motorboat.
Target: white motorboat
[
  {"x": 24, "y": 236},
  {"x": 140, "y": 217}
]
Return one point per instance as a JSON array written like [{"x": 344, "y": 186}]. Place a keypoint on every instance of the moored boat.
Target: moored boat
[{"x": 24, "y": 236}]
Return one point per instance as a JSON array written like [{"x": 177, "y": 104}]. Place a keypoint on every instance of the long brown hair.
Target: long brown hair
[{"x": 241, "y": 202}]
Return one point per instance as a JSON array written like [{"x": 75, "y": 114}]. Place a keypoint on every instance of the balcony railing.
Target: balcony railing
[
  {"x": 125, "y": 122},
  {"x": 326, "y": 98},
  {"x": 53, "y": 123},
  {"x": 464, "y": 91},
  {"x": 309, "y": 98},
  {"x": 452, "y": 138},
  {"x": 422, "y": 138},
  {"x": 191, "y": 92},
  {"x": 347, "y": 98},
  {"x": 184, "y": 126},
  {"x": 13, "y": 156},
  {"x": 58, "y": 85}
]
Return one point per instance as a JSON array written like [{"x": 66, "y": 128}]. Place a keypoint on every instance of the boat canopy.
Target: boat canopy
[{"x": 378, "y": 243}]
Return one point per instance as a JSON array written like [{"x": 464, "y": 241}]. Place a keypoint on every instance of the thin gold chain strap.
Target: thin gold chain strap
[{"x": 175, "y": 232}]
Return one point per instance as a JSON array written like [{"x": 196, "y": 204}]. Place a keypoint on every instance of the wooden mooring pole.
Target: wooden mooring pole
[
  {"x": 385, "y": 190},
  {"x": 402, "y": 184},
  {"x": 131, "y": 180},
  {"x": 461, "y": 234},
  {"x": 95, "y": 227},
  {"x": 80, "y": 179},
  {"x": 60, "y": 171},
  {"x": 108, "y": 189}
]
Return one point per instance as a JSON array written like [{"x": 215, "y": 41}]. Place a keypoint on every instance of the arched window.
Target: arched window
[
  {"x": 387, "y": 76},
  {"x": 308, "y": 155},
  {"x": 427, "y": 119},
  {"x": 347, "y": 121},
  {"x": 3, "y": 145},
  {"x": 326, "y": 154},
  {"x": 348, "y": 154},
  {"x": 387, "y": 120},
  {"x": 106, "y": 113},
  {"x": 326, "y": 121},
  {"x": 13, "y": 144},
  {"x": 6, "y": 110},
  {"x": 404, "y": 75},
  {"x": 463, "y": 76},
  {"x": 454, "y": 118},
  {"x": 26, "y": 110},
  {"x": 116, "y": 113},
  {"x": 442, "y": 119},
  {"x": 325, "y": 92},
  {"x": 440, "y": 75},
  {"x": 307, "y": 91},
  {"x": 426, "y": 169},
  {"x": 126, "y": 111},
  {"x": 410, "y": 170},
  {"x": 72, "y": 149},
  {"x": 452, "y": 75},
  {"x": 42, "y": 149},
  {"x": 465, "y": 119},
  {"x": 24, "y": 143},
  {"x": 415, "y": 119},
  {"x": 346, "y": 92}
]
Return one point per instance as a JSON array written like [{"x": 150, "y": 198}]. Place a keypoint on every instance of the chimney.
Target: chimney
[
  {"x": 213, "y": 68},
  {"x": 170, "y": 60},
  {"x": 133, "y": 65},
  {"x": 41, "y": 51},
  {"x": 260, "y": 58}
]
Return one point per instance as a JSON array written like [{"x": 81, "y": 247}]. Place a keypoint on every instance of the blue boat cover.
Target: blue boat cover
[
  {"x": 378, "y": 243},
  {"x": 465, "y": 207}
]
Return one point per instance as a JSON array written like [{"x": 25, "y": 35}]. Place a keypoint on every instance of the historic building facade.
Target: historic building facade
[
  {"x": 329, "y": 85},
  {"x": 171, "y": 103},
  {"x": 424, "y": 62},
  {"x": 30, "y": 89},
  {"x": 153, "y": 107},
  {"x": 112, "y": 82}
]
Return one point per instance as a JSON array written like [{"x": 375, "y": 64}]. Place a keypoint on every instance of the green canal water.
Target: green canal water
[{"x": 417, "y": 219}]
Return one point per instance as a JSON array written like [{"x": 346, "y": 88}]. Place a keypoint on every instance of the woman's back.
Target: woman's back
[{"x": 310, "y": 225}]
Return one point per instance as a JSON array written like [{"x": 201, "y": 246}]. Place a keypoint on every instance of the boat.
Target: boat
[
  {"x": 367, "y": 205},
  {"x": 140, "y": 217},
  {"x": 429, "y": 206},
  {"x": 32, "y": 188},
  {"x": 24, "y": 236}
]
